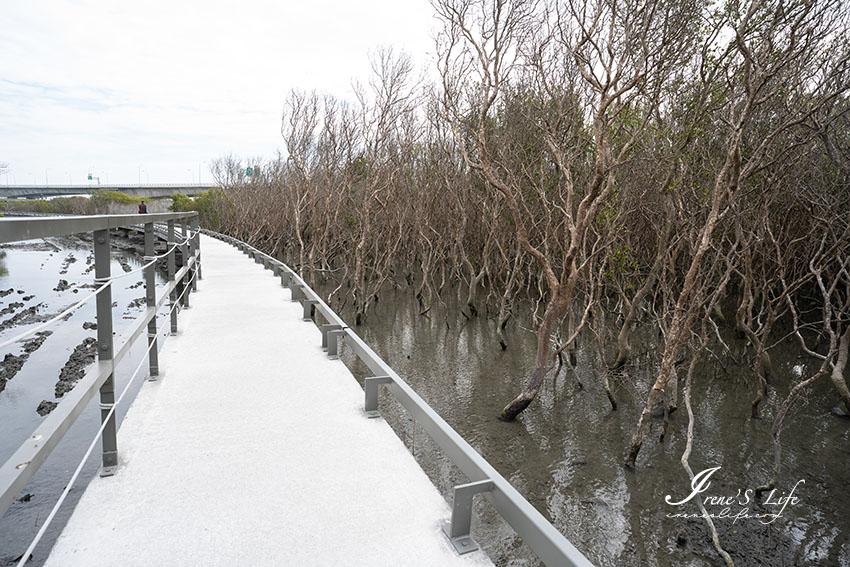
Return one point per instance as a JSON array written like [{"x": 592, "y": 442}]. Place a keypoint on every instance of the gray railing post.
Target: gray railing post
[
  {"x": 458, "y": 529},
  {"x": 333, "y": 343},
  {"x": 150, "y": 299},
  {"x": 102, "y": 273},
  {"x": 294, "y": 289},
  {"x": 194, "y": 270},
  {"x": 284, "y": 278},
  {"x": 196, "y": 226},
  {"x": 370, "y": 389},
  {"x": 324, "y": 329},
  {"x": 308, "y": 308},
  {"x": 184, "y": 251},
  {"x": 172, "y": 268}
]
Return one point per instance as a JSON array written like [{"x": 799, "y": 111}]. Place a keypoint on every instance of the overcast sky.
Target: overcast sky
[{"x": 154, "y": 90}]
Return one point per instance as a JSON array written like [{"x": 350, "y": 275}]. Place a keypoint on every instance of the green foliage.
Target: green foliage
[
  {"x": 621, "y": 261},
  {"x": 358, "y": 168},
  {"x": 210, "y": 205},
  {"x": 102, "y": 198},
  {"x": 59, "y": 206},
  {"x": 180, "y": 203}
]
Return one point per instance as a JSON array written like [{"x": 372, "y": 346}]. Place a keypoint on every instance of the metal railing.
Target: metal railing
[
  {"x": 17, "y": 471},
  {"x": 544, "y": 540}
]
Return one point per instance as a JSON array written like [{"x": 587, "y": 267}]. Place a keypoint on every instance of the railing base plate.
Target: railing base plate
[
  {"x": 463, "y": 544},
  {"x": 108, "y": 471}
]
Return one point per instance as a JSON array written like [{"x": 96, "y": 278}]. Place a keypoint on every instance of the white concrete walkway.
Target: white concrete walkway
[{"x": 253, "y": 450}]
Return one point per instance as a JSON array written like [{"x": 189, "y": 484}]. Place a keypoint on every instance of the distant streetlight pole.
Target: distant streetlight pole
[
  {"x": 192, "y": 171},
  {"x": 46, "y": 180}
]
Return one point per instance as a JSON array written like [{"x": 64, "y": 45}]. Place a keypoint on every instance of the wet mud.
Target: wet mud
[
  {"x": 12, "y": 363},
  {"x": 45, "y": 407},
  {"x": 23, "y": 317},
  {"x": 83, "y": 355}
]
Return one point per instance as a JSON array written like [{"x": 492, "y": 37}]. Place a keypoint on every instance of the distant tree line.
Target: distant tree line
[{"x": 101, "y": 201}]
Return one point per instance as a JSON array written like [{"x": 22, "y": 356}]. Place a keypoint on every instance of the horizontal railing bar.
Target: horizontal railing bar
[
  {"x": 539, "y": 534},
  {"x": 14, "y": 229}
]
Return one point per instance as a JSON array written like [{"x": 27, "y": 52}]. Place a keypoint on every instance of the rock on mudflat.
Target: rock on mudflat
[{"x": 45, "y": 407}]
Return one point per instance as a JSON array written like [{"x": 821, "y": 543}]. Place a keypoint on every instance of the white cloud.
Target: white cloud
[{"x": 153, "y": 89}]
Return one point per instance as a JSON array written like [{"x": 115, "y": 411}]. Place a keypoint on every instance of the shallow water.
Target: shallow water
[
  {"x": 565, "y": 453},
  {"x": 34, "y": 267}
]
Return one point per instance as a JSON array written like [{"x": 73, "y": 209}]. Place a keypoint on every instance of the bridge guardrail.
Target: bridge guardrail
[
  {"x": 548, "y": 543},
  {"x": 17, "y": 471}
]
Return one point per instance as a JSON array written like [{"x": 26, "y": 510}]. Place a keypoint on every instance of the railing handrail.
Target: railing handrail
[
  {"x": 539, "y": 534},
  {"x": 15, "y": 229},
  {"x": 19, "y": 469}
]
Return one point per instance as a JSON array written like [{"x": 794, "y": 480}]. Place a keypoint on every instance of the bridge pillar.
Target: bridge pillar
[
  {"x": 109, "y": 439},
  {"x": 150, "y": 297}
]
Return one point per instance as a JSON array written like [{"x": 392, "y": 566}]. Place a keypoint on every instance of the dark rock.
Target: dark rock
[{"x": 45, "y": 407}]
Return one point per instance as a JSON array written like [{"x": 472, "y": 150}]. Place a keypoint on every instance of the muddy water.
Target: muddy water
[
  {"x": 33, "y": 270},
  {"x": 565, "y": 453}
]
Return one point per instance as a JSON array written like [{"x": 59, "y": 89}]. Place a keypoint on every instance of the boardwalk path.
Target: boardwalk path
[{"x": 253, "y": 450}]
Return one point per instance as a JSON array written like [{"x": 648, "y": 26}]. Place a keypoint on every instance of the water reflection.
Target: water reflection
[{"x": 565, "y": 453}]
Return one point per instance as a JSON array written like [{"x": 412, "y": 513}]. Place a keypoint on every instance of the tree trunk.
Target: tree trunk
[
  {"x": 837, "y": 374},
  {"x": 555, "y": 310},
  {"x": 664, "y": 376}
]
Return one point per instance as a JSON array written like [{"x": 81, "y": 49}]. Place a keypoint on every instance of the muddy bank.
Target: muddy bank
[
  {"x": 10, "y": 308},
  {"x": 23, "y": 317},
  {"x": 12, "y": 364},
  {"x": 84, "y": 354}
]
